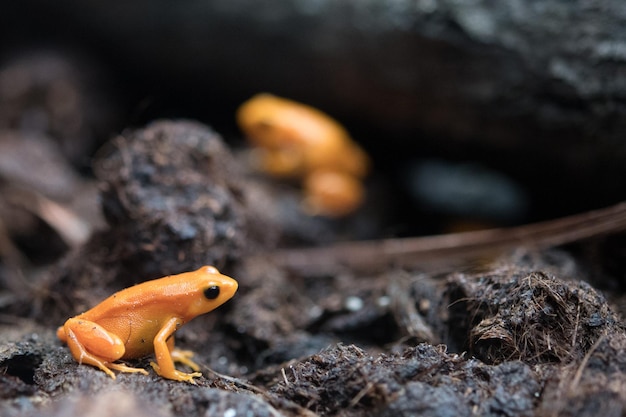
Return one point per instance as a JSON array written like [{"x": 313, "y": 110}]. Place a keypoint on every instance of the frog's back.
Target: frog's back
[{"x": 150, "y": 297}]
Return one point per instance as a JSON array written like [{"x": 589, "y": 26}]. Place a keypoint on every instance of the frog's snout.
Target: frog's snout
[{"x": 230, "y": 286}]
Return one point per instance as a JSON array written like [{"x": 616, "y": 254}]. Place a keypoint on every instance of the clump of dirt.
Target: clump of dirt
[
  {"x": 594, "y": 386},
  {"x": 517, "y": 314},
  {"x": 421, "y": 379},
  {"x": 173, "y": 190},
  {"x": 172, "y": 196}
]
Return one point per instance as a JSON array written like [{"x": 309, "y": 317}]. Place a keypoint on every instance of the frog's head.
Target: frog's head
[
  {"x": 212, "y": 290},
  {"x": 276, "y": 123},
  {"x": 262, "y": 119}
]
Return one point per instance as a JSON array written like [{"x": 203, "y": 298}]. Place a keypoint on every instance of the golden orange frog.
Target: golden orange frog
[
  {"x": 142, "y": 319},
  {"x": 294, "y": 140}
]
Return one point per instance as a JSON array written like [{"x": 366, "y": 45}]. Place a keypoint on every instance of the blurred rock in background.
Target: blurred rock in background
[{"x": 535, "y": 90}]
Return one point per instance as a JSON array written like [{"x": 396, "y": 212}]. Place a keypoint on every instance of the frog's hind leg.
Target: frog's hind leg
[
  {"x": 93, "y": 345},
  {"x": 83, "y": 356}
]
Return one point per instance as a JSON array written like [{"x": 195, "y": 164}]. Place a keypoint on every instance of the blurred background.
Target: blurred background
[{"x": 475, "y": 113}]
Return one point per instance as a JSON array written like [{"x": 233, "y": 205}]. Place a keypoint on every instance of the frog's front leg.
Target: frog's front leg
[
  {"x": 165, "y": 354},
  {"x": 92, "y": 344}
]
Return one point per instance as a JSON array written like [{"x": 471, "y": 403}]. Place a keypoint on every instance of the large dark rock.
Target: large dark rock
[{"x": 535, "y": 88}]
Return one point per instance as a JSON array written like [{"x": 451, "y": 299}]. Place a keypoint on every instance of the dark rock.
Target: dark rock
[{"x": 533, "y": 88}]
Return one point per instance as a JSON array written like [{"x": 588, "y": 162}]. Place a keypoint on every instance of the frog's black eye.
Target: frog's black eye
[{"x": 212, "y": 292}]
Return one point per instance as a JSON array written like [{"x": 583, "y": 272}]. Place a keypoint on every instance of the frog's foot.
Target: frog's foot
[
  {"x": 176, "y": 375},
  {"x": 93, "y": 361},
  {"x": 184, "y": 357},
  {"x": 123, "y": 368}
]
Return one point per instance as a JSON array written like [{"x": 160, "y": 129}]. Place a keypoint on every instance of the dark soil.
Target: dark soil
[{"x": 525, "y": 333}]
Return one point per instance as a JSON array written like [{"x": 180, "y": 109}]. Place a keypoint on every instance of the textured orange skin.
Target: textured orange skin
[
  {"x": 140, "y": 320},
  {"x": 293, "y": 140}
]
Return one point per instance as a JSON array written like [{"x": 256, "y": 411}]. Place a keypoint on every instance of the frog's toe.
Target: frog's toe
[
  {"x": 184, "y": 357},
  {"x": 175, "y": 374},
  {"x": 106, "y": 369},
  {"x": 183, "y": 376},
  {"x": 123, "y": 368}
]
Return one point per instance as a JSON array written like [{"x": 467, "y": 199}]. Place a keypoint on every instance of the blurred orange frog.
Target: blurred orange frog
[{"x": 293, "y": 140}]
